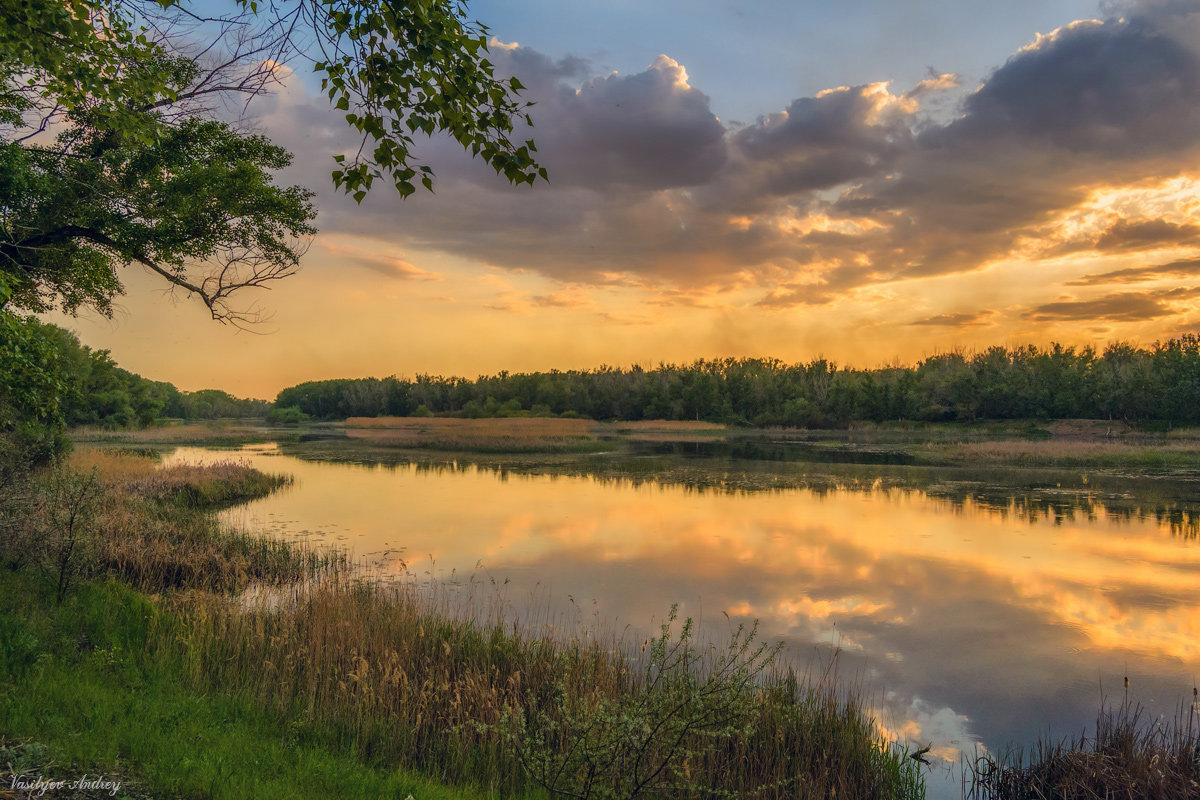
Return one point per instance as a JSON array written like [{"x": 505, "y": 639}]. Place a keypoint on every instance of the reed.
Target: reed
[
  {"x": 485, "y": 703},
  {"x": 1129, "y": 756},
  {"x": 216, "y": 433},
  {"x": 502, "y": 435},
  {"x": 389, "y": 675},
  {"x": 150, "y": 527},
  {"x": 1063, "y": 453}
]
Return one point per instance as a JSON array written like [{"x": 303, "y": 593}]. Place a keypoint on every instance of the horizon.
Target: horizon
[
  {"x": 872, "y": 185},
  {"x": 967, "y": 353}
]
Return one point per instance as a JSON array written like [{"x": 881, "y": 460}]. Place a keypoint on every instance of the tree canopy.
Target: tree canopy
[
  {"x": 117, "y": 146},
  {"x": 1124, "y": 382}
]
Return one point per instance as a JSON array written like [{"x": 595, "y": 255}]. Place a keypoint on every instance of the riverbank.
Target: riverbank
[
  {"x": 152, "y": 661},
  {"x": 1098, "y": 445}
]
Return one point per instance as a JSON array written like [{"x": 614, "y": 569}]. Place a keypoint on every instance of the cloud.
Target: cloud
[
  {"x": 651, "y": 130},
  {"x": 522, "y": 302},
  {"x": 1176, "y": 269},
  {"x": 1125, "y": 236},
  {"x": 956, "y": 320},
  {"x": 850, "y": 187},
  {"x": 936, "y": 82},
  {"x": 795, "y": 295},
  {"x": 1093, "y": 104},
  {"x": 1147, "y": 235},
  {"x": 1115, "y": 307},
  {"x": 387, "y": 265},
  {"x": 841, "y": 135},
  {"x": 570, "y": 297}
]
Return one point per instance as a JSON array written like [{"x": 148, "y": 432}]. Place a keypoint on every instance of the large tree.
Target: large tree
[
  {"x": 117, "y": 142},
  {"x": 119, "y": 145}
]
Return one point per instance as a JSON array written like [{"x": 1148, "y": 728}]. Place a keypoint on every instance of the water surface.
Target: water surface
[{"x": 975, "y": 607}]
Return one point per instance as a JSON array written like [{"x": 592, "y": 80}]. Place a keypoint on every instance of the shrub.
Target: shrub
[{"x": 288, "y": 415}]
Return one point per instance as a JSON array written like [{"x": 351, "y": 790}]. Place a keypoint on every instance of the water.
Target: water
[{"x": 973, "y": 608}]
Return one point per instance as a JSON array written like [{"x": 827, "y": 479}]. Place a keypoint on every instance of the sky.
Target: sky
[{"x": 867, "y": 181}]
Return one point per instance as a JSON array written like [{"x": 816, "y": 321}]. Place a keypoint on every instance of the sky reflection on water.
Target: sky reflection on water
[{"x": 969, "y": 620}]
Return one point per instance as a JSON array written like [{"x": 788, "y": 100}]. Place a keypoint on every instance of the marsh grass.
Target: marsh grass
[
  {"x": 1064, "y": 452},
  {"x": 663, "y": 430},
  {"x": 334, "y": 661},
  {"x": 216, "y": 433},
  {"x": 1129, "y": 756},
  {"x": 500, "y": 435},
  {"x": 89, "y": 687},
  {"x": 407, "y": 684},
  {"x": 151, "y": 527}
]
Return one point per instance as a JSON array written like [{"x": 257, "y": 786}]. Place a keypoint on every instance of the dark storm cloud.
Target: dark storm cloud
[
  {"x": 1189, "y": 268},
  {"x": 1108, "y": 90},
  {"x": 1115, "y": 307},
  {"x": 847, "y": 188}
]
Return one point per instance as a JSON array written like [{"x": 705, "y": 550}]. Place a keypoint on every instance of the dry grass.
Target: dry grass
[
  {"x": 406, "y": 683},
  {"x": 1083, "y": 451},
  {"x": 191, "y": 433},
  {"x": 115, "y": 467},
  {"x": 150, "y": 526},
  {"x": 1129, "y": 757},
  {"x": 682, "y": 426},
  {"x": 520, "y": 434},
  {"x": 663, "y": 430}
]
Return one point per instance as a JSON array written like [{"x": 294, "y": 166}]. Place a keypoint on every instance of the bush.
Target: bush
[
  {"x": 288, "y": 415},
  {"x": 646, "y": 741}
]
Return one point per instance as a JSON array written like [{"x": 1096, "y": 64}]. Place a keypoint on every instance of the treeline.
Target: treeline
[
  {"x": 81, "y": 386},
  {"x": 1124, "y": 382}
]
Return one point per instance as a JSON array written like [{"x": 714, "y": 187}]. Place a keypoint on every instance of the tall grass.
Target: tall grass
[
  {"x": 393, "y": 676},
  {"x": 150, "y": 526},
  {"x": 1129, "y": 756},
  {"x": 216, "y": 433},
  {"x": 407, "y": 684},
  {"x": 507, "y": 435}
]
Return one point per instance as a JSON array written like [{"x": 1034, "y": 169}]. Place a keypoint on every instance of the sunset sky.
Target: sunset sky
[{"x": 867, "y": 180}]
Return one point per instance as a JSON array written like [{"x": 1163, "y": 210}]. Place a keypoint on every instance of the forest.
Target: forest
[
  {"x": 1159, "y": 383},
  {"x": 88, "y": 388}
]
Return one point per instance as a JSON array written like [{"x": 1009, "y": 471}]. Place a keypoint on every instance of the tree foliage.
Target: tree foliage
[
  {"x": 1123, "y": 382},
  {"x": 51, "y": 380},
  {"x": 115, "y": 145},
  {"x": 401, "y": 68},
  {"x": 117, "y": 148}
]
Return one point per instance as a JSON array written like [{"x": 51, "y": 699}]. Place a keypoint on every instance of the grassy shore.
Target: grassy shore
[
  {"x": 215, "y": 433},
  {"x": 157, "y": 663},
  {"x": 1062, "y": 444},
  {"x": 515, "y": 435},
  {"x": 1127, "y": 756}
]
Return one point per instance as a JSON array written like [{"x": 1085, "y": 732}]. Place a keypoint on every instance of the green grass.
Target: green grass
[
  {"x": 158, "y": 668},
  {"x": 80, "y": 680}
]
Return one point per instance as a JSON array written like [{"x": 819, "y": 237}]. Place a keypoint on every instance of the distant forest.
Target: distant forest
[
  {"x": 91, "y": 389},
  {"x": 1122, "y": 382},
  {"x": 1160, "y": 383}
]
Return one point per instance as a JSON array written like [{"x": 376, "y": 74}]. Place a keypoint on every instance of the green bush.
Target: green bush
[{"x": 288, "y": 415}]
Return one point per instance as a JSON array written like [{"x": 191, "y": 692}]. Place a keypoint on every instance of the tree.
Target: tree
[
  {"x": 112, "y": 150},
  {"x": 116, "y": 146}
]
